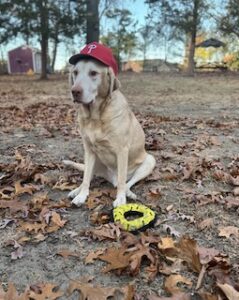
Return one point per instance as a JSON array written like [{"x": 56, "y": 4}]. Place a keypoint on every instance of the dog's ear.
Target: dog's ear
[
  {"x": 114, "y": 81},
  {"x": 71, "y": 81}
]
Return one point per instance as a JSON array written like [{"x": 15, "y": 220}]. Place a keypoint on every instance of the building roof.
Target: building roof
[
  {"x": 211, "y": 43},
  {"x": 34, "y": 49}
]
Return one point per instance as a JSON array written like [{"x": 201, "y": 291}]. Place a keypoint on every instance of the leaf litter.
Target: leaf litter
[{"x": 188, "y": 269}]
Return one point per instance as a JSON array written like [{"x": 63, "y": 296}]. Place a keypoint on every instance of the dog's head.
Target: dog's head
[{"x": 90, "y": 79}]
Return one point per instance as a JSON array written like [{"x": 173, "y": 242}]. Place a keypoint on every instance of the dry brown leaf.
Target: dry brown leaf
[
  {"x": 229, "y": 291},
  {"x": 171, "y": 283},
  {"x": 38, "y": 238},
  {"x": 174, "y": 268},
  {"x": 36, "y": 227},
  {"x": 43, "y": 179},
  {"x": 99, "y": 218},
  {"x": 206, "y": 224},
  {"x": 27, "y": 188},
  {"x": 65, "y": 253},
  {"x": 39, "y": 200},
  {"x": 166, "y": 243},
  {"x": 189, "y": 253},
  {"x": 89, "y": 292},
  {"x": 6, "y": 192},
  {"x": 64, "y": 186},
  {"x": 56, "y": 219},
  {"x": 137, "y": 257},
  {"x": 46, "y": 291},
  {"x": 207, "y": 296},
  {"x": 107, "y": 231},
  {"x": 116, "y": 258},
  {"x": 12, "y": 293},
  {"x": 207, "y": 254},
  {"x": 228, "y": 231},
  {"x": 93, "y": 255},
  {"x": 14, "y": 205}
]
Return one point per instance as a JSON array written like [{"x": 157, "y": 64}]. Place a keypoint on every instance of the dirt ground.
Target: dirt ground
[{"x": 191, "y": 127}]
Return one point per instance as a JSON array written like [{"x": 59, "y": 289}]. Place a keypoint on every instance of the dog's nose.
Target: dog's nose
[{"x": 76, "y": 93}]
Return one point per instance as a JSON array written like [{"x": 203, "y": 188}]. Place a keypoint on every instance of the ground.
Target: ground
[{"x": 191, "y": 127}]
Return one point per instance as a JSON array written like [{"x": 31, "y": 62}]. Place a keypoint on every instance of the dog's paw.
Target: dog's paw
[
  {"x": 74, "y": 193},
  {"x": 80, "y": 199},
  {"x": 131, "y": 195},
  {"x": 120, "y": 200}
]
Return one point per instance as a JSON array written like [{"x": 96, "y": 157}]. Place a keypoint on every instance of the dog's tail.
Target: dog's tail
[{"x": 79, "y": 167}]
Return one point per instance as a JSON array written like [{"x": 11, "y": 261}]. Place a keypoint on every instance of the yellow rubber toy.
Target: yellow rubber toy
[{"x": 145, "y": 219}]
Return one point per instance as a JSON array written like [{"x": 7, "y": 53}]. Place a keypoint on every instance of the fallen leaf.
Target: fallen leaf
[
  {"x": 166, "y": 243},
  {"x": 66, "y": 253},
  {"x": 45, "y": 291},
  {"x": 88, "y": 291},
  {"x": 107, "y": 231},
  {"x": 228, "y": 231},
  {"x": 206, "y": 224},
  {"x": 171, "y": 283},
  {"x": 56, "y": 219},
  {"x": 64, "y": 186},
  {"x": 116, "y": 258},
  {"x": 12, "y": 293},
  {"x": 173, "y": 268},
  {"x": 189, "y": 253},
  {"x": 43, "y": 179},
  {"x": 36, "y": 227},
  {"x": 206, "y": 254},
  {"x": 229, "y": 291},
  {"x": 93, "y": 255},
  {"x": 14, "y": 205},
  {"x": 28, "y": 188}
]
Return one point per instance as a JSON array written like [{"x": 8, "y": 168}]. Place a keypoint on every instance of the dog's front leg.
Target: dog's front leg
[
  {"x": 122, "y": 166},
  {"x": 80, "y": 194}
]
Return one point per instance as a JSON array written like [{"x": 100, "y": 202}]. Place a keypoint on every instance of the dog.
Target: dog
[{"x": 113, "y": 139}]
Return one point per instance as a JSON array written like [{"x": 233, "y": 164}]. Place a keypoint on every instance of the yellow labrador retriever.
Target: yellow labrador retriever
[{"x": 113, "y": 140}]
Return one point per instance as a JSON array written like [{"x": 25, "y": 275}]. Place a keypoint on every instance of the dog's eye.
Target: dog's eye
[
  {"x": 93, "y": 73},
  {"x": 75, "y": 72}
]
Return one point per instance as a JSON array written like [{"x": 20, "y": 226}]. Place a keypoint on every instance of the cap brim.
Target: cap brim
[{"x": 75, "y": 58}]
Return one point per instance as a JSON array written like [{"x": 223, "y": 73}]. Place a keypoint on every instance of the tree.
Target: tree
[
  {"x": 184, "y": 17},
  {"x": 48, "y": 20},
  {"x": 229, "y": 23},
  {"x": 122, "y": 40},
  {"x": 146, "y": 40},
  {"x": 67, "y": 19},
  {"x": 93, "y": 26}
]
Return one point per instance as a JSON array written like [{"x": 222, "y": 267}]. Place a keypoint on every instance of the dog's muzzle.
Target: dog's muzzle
[{"x": 77, "y": 95}]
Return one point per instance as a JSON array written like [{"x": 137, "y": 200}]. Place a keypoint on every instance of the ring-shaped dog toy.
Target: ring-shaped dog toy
[{"x": 145, "y": 217}]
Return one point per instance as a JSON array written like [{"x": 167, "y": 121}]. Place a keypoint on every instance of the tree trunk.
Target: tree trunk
[
  {"x": 55, "y": 44},
  {"x": 54, "y": 55},
  {"x": 44, "y": 47},
  {"x": 93, "y": 28},
  {"x": 192, "y": 41},
  {"x": 44, "y": 37}
]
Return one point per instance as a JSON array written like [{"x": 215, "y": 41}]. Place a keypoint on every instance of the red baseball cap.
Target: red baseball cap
[{"x": 99, "y": 52}]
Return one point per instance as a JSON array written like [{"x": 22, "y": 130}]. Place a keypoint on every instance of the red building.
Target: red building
[{"x": 24, "y": 59}]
